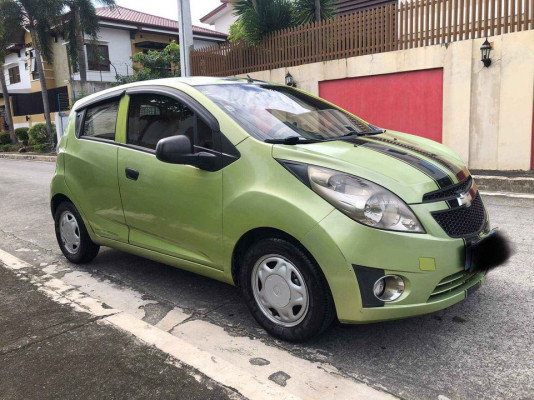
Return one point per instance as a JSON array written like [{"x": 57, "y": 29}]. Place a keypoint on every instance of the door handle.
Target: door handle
[{"x": 132, "y": 174}]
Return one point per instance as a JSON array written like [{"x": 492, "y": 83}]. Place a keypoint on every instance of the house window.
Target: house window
[
  {"x": 34, "y": 70},
  {"x": 14, "y": 75},
  {"x": 97, "y": 57}
]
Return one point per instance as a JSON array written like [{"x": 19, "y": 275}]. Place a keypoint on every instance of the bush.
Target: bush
[
  {"x": 37, "y": 134},
  {"x": 22, "y": 135},
  {"x": 4, "y": 138},
  {"x": 5, "y": 147}
]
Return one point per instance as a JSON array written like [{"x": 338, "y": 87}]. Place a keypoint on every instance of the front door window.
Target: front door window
[{"x": 153, "y": 117}]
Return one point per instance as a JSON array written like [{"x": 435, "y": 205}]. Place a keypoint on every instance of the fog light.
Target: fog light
[
  {"x": 379, "y": 287},
  {"x": 388, "y": 288}
]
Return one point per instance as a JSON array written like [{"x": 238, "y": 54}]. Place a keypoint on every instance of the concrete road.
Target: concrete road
[{"x": 481, "y": 348}]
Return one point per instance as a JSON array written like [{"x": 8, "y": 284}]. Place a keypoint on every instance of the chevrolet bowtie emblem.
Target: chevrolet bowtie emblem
[{"x": 465, "y": 199}]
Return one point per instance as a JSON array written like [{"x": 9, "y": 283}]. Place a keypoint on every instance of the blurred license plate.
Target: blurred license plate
[{"x": 471, "y": 250}]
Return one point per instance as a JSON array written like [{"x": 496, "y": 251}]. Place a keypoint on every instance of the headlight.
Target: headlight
[{"x": 363, "y": 201}]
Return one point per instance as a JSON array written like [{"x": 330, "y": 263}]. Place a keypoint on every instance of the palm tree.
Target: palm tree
[
  {"x": 307, "y": 11},
  {"x": 40, "y": 15},
  {"x": 83, "y": 21},
  {"x": 10, "y": 26},
  {"x": 258, "y": 18}
]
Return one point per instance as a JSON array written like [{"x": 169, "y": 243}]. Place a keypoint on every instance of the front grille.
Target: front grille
[
  {"x": 462, "y": 221},
  {"x": 454, "y": 284},
  {"x": 447, "y": 193}
]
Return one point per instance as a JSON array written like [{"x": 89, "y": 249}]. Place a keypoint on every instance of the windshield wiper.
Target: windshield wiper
[
  {"x": 299, "y": 139},
  {"x": 292, "y": 140},
  {"x": 356, "y": 134}
]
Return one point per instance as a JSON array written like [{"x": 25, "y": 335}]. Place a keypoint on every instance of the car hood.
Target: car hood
[{"x": 408, "y": 165}]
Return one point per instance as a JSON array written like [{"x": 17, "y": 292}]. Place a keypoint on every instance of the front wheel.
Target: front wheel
[
  {"x": 72, "y": 236},
  {"x": 285, "y": 290}
]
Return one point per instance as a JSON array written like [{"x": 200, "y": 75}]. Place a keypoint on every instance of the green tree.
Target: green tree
[
  {"x": 155, "y": 64},
  {"x": 258, "y": 18},
  {"x": 236, "y": 32},
  {"x": 39, "y": 16},
  {"x": 83, "y": 21},
  {"x": 306, "y": 11},
  {"x": 10, "y": 27}
]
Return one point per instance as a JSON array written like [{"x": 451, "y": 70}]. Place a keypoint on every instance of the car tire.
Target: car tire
[
  {"x": 275, "y": 271},
  {"x": 72, "y": 236}
]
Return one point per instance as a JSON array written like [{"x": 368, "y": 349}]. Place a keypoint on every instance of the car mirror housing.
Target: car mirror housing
[{"x": 179, "y": 150}]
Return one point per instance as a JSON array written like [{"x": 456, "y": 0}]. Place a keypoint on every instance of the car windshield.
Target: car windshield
[{"x": 278, "y": 112}]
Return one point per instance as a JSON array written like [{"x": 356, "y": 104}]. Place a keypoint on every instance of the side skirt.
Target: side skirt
[{"x": 190, "y": 266}]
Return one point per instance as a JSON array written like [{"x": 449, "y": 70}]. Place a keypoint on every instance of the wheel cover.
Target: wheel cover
[
  {"x": 69, "y": 232},
  {"x": 279, "y": 290}
]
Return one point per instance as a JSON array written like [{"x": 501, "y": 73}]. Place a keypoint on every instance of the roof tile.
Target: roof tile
[{"x": 123, "y": 14}]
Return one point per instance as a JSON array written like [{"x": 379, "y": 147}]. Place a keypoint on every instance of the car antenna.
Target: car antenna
[{"x": 249, "y": 79}]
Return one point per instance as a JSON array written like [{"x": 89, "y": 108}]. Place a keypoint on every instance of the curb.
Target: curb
[
  {"x": 493, "y": 183},
  {"x": 33, "y": 157}
]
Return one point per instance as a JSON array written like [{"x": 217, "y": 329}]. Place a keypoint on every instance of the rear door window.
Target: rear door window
[{"x": 100, "y": 121}]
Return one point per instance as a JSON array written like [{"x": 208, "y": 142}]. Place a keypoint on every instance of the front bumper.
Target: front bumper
[{"x": 424, "y": 261}]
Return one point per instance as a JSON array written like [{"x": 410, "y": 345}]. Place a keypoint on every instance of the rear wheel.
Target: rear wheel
[
  {"x": 285, "y": 290},
  {"x": 72, "y": 236}
]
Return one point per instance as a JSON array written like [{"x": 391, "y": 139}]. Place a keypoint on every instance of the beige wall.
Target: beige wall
[
  {"x": 487, "y": 112},
  {"x": 61, "y": 63}
]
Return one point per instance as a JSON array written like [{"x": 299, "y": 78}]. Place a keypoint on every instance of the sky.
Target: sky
[{"x": 169, "y": 8}]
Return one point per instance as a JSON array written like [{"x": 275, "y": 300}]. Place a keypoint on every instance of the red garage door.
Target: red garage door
[{"x": 410, "y": 102}]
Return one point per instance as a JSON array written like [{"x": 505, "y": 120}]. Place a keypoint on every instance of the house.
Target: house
[
  {"x": 221, "y": 17},
  {"x": 123, "y": 32}
]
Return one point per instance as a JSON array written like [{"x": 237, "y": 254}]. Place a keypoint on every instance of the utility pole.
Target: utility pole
[{"x": 186, "y": 35}]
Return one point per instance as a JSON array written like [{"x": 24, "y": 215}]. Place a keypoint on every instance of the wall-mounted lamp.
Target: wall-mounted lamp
[
  {"x": 485, "y": 49},
  {"x": 290, "y": 81}
]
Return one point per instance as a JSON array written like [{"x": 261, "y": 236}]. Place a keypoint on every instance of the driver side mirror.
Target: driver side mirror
[{"x": 179, "y": 150}]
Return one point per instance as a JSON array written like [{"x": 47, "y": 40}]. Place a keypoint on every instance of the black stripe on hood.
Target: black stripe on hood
[
  {"x": 441, "y": 178},
  {"x": 456, "y": 170}
]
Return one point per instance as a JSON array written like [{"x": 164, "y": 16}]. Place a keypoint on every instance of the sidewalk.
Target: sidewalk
[{"x": 48, "y": 350}]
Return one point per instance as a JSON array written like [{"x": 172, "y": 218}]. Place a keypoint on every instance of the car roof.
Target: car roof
[
  {"x": 173, "y": 82},
  {"x": 209, "y": 80}
]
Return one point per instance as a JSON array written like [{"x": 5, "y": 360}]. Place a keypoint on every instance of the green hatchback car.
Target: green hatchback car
[{"x": 312, "y": 212}]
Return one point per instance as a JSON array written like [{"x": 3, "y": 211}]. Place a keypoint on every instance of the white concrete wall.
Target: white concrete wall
[
  {"x": 13, "y": 60},
  {"x": 120, "y": 51},
  {"x": 487, "y": 112},
  {"x": 222, "y": 23}
]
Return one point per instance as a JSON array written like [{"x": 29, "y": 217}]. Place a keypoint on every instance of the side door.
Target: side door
[
  {"x": 169, "y": 208},
  {"x": 91, "y": 169}
]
